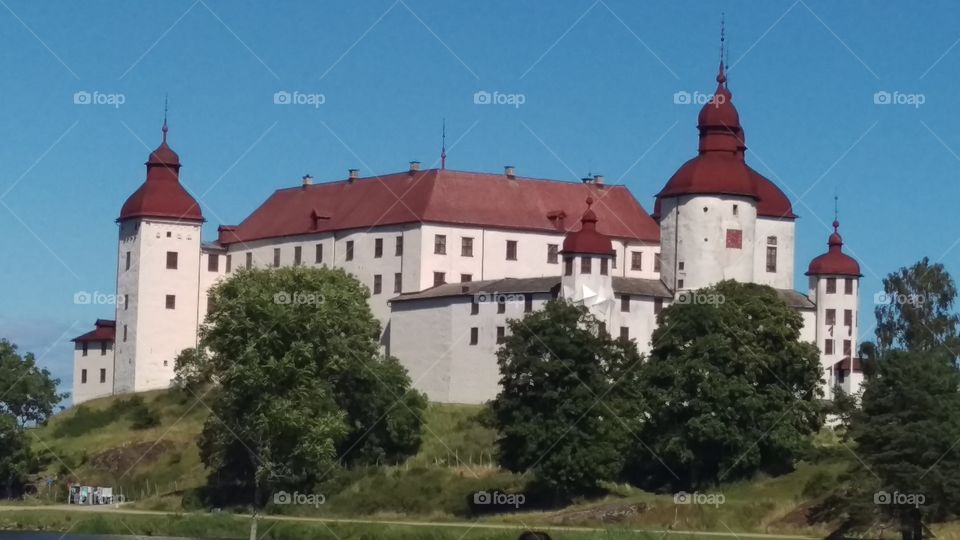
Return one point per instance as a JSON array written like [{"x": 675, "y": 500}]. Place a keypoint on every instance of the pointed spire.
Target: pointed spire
[
  {"x": 443, "y": 146},
  {"x": 721, "y": 74},
  {"x": 164, "y": 128}
]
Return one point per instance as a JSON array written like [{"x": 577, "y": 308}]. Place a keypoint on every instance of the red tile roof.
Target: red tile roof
[
  {"x": 449, "y": 197},
  {"x": 834, "y": 262},
  {"x": 105, "y": 330},
  {"x": 161, "y": 195}
]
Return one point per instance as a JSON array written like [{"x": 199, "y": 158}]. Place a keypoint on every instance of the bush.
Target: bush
[
  {"x": 141, "y": 416},
  {"x": 820, "y": 483}
]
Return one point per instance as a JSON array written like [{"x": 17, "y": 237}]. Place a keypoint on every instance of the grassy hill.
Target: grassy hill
[{"x": 106, "y": 442}]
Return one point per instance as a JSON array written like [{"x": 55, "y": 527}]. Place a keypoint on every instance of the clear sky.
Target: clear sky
[{"x": 597, "y": 81}]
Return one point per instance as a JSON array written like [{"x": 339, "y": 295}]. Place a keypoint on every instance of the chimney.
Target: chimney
[
  {"x": 307, "y": 180},
  {"x": 509, "y": 171},
  {"x": 353, "y": 174},
  {"x": 414, "y": 166},
  {"x": 598, "y": 179},
  {"x": 225, "y": 234}
]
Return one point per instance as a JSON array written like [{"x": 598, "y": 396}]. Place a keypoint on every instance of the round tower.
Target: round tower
[
  {"x": 835, "y": 287},
  {"x": 587, "y": 265},
  {"x": 158, "y": 266}
]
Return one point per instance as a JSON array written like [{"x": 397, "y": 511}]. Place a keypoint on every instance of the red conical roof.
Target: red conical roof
[
  {"x": 834, "y": 262},
  {"x": 162, "y": 195},
  {"x": 588, "y": 240}
]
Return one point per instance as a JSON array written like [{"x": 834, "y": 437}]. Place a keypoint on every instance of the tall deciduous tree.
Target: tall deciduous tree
[
  {"x": 301, "y": 383},
  {"x": 566, "y": 400},
  {"x": 915, "y": 312},
  {"x": 27, "y": 391},
  {"x": 731, "y": 389}
]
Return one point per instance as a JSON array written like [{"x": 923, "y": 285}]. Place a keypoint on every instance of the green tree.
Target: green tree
[
  {"x": 905, "y": 434},
  {"x": 917, "y": 311},
  {"x": 731, "y": 389},
  {"x": 301, "y": 381},
  {"x": 565, "y": 404},
  {"x": 27, "y": 391},
  {"x": 192, "y": 370},
  {"x": 16, "y": 459}
]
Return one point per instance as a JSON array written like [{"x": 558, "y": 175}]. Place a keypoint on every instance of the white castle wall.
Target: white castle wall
[
  {"x": 784, "y": 230},
  {"x": 839, "y": 301},
  {"x": 97, "y": 359}
]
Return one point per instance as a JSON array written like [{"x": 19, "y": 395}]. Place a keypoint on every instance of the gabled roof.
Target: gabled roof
[
  {"x": 105, "y": 330},
  {"x": 446, "y": 196}
]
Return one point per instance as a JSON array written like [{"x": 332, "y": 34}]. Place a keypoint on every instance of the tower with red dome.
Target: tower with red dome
[
  {"x": 158, "y": 267},
  {"x": 834, "y": 279},
  {"x": 588, "y": 266},
  {"x": 719, "y": 218}
]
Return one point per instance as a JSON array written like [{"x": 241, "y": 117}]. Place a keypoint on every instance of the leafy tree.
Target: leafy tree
[
  {"x": 566, "y": 399},
  {"x": 905, "y": 435},
  {"x": 918, "y": 311},
  {"x": 16, "y": 459},
  {"x": 301, "y": 381},
  {"x": 730, "y": 388},
  {"x": 27, "y": 391},
  {"x": 192, "y": 369}
]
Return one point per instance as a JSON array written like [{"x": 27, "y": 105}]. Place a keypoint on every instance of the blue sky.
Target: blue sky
[{"x": 598, "y": 80}]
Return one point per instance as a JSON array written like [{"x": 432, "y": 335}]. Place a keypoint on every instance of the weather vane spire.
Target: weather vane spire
[
  {"x": 443, "y": 146},
  {"x": 164, "y": 129},
  {"x": 723, "y": 36}
]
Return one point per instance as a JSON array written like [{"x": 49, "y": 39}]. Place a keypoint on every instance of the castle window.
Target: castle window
[
  {"x": 553, "y": 253},
  {"x": 586, "y": 265},
  {"x": 297, "y": 255},
  {"x": 229, "y": 262},
  {"x": 127, "y": 267},
  {"x": 828, "y": 346},
  {"x": 848, "y": 317},
  {"x": 377, "y": 248},
  {"x": 213, "y": 262},
  {"x": 735, "y": 210},
  {"x": 85, "y": 344},
  {"x": 249, "y": 261},
  {"x": 848, "y": 286},
  {"x": 318, "y": 254},
  {"x": 734, "y": 239},
  {"x": 171, "y": 260},
  {"x": 398, "y": 251},
  {"x": 474, "y": 306},
  {"x": 679, "y": 283},
  {"x": 276, "y": 257},
  {"x": 625, "y": 303},
  {"x": 439, "y": 244},
  {"x": 474, "y": 335},
  {"x": 511, "y": 250},
  {"x": 636, "y": 260},
  {"x": 656, "y": 262},
  {"x": 568, "y": 266},
  {"x": 466, "y": 278},
  {"x": 604, "y": 266},
  {"x": 847, "y": 347},
  {"x": 466, "y": 247},
  {"x": 439, "y": 278},
  {"x": 625, "y": 332},
  {"x": 657, "y": 305},
  {"x": 771, "y": 240},
  {"x": 349, "y": 255},
  {"x": 126, "y": 301},
  {"x": 831, "y": 285},
  {"x": 397, "y": 282},
  {"x": 527, "y": 303},
  {"x": 501, "y": 334},
  {"x": 124, "y": 333},
  {"x": 680, "y": 265},
  {"x": 103, "y": 375},
  {"x": 171, "y": 301},
  {"x": 103, "y": 349},
  {"x": 377, "y": 284},
  {"x": 613, "y": 260},
  {"x": 83, "y": 376},
  {"x": 831, "y": 317},
  {"x": 501, "y": 304},
  {"x": 771, "y": 258}
]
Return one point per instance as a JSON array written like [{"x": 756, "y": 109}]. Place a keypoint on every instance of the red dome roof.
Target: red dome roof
[
  {"x": 773, "y": 202},
  {"x": 721, "y": 173},
  {"x": 834, "y": 262},
  {"x": 161, "y": 195},
  {"x": 588, "y": 240}
]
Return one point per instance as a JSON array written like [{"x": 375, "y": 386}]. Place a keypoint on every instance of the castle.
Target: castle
[{"x": 450, "y": 256}]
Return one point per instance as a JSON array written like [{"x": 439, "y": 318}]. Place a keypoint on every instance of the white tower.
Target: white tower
[
  {"x": 158, "y": 267},
  {"x": 835, "y": 287},
  {"x": 587, "y": 263}
]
